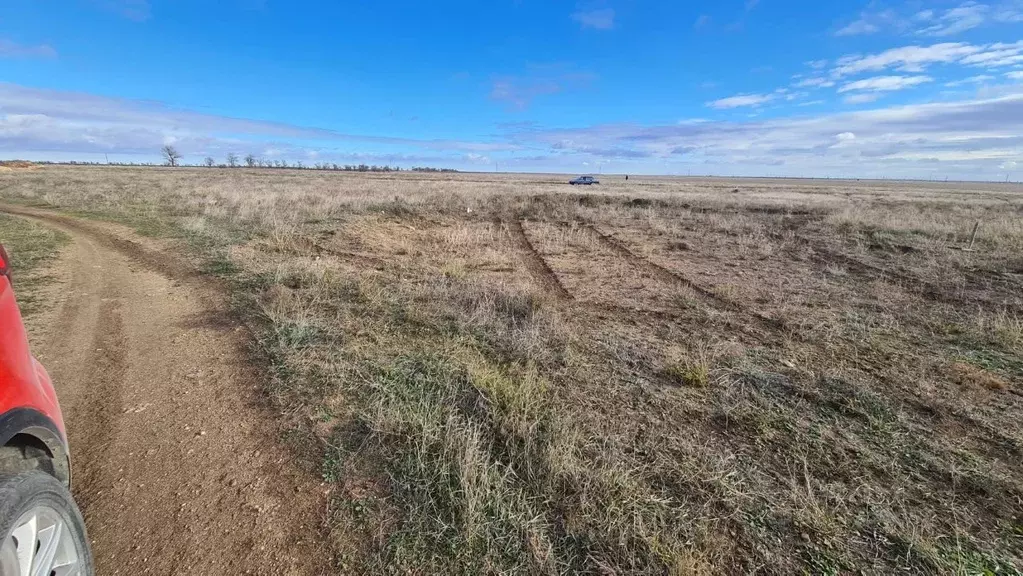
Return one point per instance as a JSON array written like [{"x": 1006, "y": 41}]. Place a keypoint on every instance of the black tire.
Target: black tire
[{"x": 22, "y": 492}]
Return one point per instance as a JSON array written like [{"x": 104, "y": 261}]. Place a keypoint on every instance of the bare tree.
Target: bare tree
[
  {"x": 170, "y": 155},
  {"x": 250, "y": 160},
  {"x": 232, "y": 159},
  {"x": 208, "y": 162}
]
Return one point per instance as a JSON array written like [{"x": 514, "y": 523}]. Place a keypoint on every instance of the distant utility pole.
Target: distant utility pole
[{"x": 107, "y": 157}]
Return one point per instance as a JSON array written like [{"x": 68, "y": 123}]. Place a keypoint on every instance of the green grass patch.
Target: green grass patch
[{"x": 31, "y": 246}]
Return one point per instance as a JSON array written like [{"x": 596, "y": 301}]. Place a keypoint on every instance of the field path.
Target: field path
[{"x": 176, "y": 463}]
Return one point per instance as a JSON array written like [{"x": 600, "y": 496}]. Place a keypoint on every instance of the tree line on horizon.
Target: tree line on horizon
[{"x": 173, "y": 158}]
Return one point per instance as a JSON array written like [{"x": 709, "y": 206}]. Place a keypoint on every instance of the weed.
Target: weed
[{"x": 688, "y": 368}]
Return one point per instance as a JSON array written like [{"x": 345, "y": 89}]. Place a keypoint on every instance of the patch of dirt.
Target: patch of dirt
[
  {"x": 969, "y": 375},
  {"x": 176, "y": 461}
]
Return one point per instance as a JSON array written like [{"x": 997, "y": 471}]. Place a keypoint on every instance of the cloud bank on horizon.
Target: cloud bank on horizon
[{"x": 896, "y": 90}]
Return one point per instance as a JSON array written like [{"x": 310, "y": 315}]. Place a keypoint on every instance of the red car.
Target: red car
[{"x": 42, "y": 529}]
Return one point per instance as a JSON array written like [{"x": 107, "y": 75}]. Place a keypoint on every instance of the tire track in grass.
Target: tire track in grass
[
  {"x": 535, "y": 263},
  {"x": 543, "y": 274},
  {"x": 671, "y": 276}
]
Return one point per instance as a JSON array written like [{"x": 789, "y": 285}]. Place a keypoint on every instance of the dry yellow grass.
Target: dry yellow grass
[{"x": 686, "y": 376}]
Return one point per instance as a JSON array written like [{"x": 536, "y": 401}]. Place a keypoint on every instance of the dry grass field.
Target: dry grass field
[{"x": 504, "y": 374}]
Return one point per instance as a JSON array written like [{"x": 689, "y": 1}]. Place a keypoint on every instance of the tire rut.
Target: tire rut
[
  {"x": 535, "y": 263},
  {"x": 671, "y": 276},
  {"x": 103, "y": 402}
]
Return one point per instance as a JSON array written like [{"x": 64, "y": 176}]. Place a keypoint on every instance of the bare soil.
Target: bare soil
[{"x": 177, "y": 466}]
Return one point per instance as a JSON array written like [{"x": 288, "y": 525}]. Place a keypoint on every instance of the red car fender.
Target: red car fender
[{"x": 28, "y": 402}]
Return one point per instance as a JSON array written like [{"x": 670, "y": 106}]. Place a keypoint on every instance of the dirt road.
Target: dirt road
[{"x": 176, "y": 463}]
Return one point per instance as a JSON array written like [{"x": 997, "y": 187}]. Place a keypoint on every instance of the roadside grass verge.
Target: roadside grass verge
[{"x": 31, "y": 246}]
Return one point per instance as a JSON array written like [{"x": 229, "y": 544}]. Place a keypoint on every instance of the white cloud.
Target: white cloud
[
  {"x": 996, "y": 56},
  {"x": 11, "y": 49},
  {"x": 955, "y": 20},
  {"x": 906, "y": 58},
  {"x": 885, "y": 83},
  {"x": 862, "y": 98},
  {"x": 916, "y": 59},
  {"x": 817, "y": 64},
  {"x": 742, "y": 100},
  {"x": 1015, "y": 75},
  {"x": 815, "y": 83},
  {"x": 857, "y": 28},
  {"x": 601, "y": 19},
  {"x": 970, "y": 138},
  {"x": 870, "y": 22},
  {"x": 979, "y": 79},
  {"x": 38, "y": 120},
  {"x": 702, "y": 21},
  {"x": 1009, "y": 13},
  {"x": 935, "y": 22}
]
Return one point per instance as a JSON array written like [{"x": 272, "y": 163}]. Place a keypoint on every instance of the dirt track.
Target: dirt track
[{"x": 176, "y": 463}]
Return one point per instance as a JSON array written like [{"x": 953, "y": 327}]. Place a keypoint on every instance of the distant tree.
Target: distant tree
[
  {"x": 250, "y": 160},
  {"x": 208, "y": 162},
  {"x": 170, "y": 155},
  {"x": 232, "y": 159}
]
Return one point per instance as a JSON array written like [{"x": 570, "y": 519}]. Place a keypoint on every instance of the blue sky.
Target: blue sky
[{"x": 735, "y": 87}]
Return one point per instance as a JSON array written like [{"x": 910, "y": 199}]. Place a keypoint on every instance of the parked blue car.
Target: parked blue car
[{"x": 584, "y": 181}]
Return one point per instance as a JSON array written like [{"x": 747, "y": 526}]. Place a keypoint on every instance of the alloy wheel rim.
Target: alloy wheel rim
[{"x": 41, "y": 544}]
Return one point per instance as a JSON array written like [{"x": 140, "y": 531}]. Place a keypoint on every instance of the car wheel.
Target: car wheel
[{"x": 43, "y": 531}]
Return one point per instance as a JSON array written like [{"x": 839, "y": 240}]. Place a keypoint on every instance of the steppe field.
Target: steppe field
[{"x": 503, "y": 374}]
